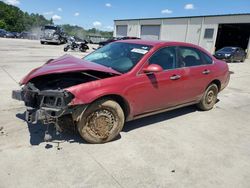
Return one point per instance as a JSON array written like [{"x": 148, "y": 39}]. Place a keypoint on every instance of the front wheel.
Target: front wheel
[
  {"x": 209, "y": 98},
  {"x": 243, "y": 59},
  {"x": 231, "y": 60},
  {"x": 101, "y": 122}
]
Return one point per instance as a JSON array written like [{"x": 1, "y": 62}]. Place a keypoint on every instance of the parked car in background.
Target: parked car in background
[
  {"x": 119, "y": 82},
  {"x": 16, "y": 34},
  {"x": 53, "y": 34},
  {"x": 231, "y": 54},
  {"x": 9, "y": 35},
  {"x": 3, "y": 33},
  {"x": 115, "y": 39},
  {"x": 28, "y": 35}
]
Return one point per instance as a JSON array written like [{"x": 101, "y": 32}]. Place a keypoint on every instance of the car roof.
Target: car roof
[{"x": 232, "y": 47}]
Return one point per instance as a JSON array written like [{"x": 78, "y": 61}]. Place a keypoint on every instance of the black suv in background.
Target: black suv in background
[{"x": 231, "y": 54}]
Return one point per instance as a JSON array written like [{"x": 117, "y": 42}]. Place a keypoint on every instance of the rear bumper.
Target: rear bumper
[{"x": 226, "y": 82}]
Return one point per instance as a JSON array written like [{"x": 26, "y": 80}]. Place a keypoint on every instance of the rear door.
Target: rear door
[{"x": 200, "y": 69}]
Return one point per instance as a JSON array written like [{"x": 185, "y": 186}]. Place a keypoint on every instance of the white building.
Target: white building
[{"x": 211, "y": 32}]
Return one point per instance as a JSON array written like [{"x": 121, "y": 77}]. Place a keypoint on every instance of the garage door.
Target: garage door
[
  {"x": 150, "y": 32},
  {"x": 121, "y": 30}
]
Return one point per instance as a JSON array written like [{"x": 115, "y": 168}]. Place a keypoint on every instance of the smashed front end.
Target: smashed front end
[
  {"x": 47, "y": 97},
  {"x": 46, "y": 105}
]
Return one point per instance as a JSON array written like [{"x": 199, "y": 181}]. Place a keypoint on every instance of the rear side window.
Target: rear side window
[
  {"x": 189, "y": 57},
  {"x": 207, "y": 59}
]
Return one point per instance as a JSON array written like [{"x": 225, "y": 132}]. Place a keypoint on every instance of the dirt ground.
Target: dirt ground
[{"x": 181, "y": 148}]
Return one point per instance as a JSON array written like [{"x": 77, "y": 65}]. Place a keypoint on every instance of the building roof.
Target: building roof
[{"x": 222, "y": 15}]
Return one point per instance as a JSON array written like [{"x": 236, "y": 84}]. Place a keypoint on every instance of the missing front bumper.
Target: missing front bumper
[
  {"x": 46, "y": 116},
  {"x": 46, "y": 106}
]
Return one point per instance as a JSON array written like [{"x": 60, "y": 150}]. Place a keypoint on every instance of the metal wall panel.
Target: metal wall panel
[{"x": 174, "y": 29}]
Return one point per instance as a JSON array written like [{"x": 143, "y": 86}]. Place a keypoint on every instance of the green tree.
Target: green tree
[{"x": 2, "y": 24}]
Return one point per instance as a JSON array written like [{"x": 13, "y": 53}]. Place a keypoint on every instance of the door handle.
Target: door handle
[
  {"x": 175, "y": 77},
  {"x": 206, "y": 71}
]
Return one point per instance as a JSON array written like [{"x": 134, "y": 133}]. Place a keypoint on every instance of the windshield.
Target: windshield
[
  {"x": 119, "y": 56},
  {"x": 227, "y": 49}
]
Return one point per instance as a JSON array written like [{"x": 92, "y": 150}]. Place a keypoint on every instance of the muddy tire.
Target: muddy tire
[
  {"x": 101, "y": 122},
  {"x": 209, "y": 98}
]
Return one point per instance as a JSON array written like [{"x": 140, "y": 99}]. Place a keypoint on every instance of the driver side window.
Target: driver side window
[{"x": 165, "y": 57}]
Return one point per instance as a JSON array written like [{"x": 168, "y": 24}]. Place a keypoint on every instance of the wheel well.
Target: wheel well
[
  {"x": 217, "y": 82},
  {"x": 121, "y": 101}
]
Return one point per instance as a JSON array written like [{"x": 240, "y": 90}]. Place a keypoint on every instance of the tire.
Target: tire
[
  {"x": 243, "y": 59},
  {"x": 231, "y": 60},
  {"x": 65, "y": 49},
  {"x": 94, "y": 122},
  {"x": 209, "y": 98},
  {"x": 42, "y": 42},
  {"x": 82, "y": 50}
]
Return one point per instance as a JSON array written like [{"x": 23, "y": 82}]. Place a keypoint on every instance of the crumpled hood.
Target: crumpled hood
[{"x": 66, "y": 63}]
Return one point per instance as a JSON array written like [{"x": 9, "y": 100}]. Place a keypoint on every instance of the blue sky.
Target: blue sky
[{"x": 101, "y": 13}]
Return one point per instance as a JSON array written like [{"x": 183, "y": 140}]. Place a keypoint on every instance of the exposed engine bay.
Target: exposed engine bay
[{"x": 65, "y": 80}]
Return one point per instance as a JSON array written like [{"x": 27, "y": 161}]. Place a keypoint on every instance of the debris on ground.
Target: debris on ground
[{"x": 2, "y": 133}]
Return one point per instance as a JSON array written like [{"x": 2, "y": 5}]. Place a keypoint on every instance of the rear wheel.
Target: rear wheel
[
  {"x": 42, "y": 42},
  {"x": 66, "y": 49},
  {"x": 209, "y": 98},
  {"x": 101, "y": 122}
]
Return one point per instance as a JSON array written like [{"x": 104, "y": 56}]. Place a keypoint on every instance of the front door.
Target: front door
[{"x": 155, "y": 91}]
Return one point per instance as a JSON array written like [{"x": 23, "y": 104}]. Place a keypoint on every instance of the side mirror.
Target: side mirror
[{"x": 153, "y": 68}]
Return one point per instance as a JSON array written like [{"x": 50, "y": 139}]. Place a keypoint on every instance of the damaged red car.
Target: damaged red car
[{"x": 122, "y": 81}]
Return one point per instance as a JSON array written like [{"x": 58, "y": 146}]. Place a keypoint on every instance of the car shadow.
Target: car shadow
[
  {"x": 150, "y": 120},
  {"x": 37, "y": 131}
]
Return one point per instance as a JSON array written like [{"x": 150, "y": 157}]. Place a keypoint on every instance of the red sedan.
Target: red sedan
[{"x": 120, "y": 82}]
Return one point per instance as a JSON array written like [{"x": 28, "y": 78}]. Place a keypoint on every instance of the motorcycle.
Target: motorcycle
[{"x": 73, "y": 45}]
